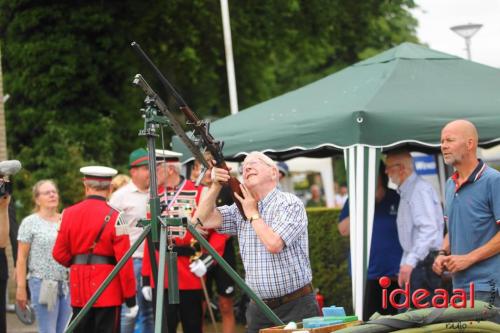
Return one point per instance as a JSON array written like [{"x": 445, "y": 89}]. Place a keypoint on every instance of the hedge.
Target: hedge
[{"x": 328, "y": 252}]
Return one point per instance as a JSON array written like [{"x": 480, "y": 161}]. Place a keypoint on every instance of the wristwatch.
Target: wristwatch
[{"x": 254, "y": 217}]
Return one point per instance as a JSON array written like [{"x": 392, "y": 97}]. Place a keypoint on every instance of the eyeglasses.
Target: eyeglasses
[
  {"x": 387, "y": 167},
  {"x": 253, "y": 163},
  {"x": 48, "y": 192}
]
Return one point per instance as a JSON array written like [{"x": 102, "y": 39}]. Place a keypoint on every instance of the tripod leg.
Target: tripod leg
[{"x": 108, "y": 280}]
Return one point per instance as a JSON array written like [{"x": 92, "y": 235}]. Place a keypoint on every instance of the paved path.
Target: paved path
[{"x": 15, "y": 326}]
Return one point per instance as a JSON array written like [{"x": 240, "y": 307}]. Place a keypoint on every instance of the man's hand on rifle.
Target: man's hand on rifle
[{"x": 219, "y": 176}]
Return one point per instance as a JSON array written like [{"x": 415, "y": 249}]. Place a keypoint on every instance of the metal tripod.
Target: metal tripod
[{"x": 152, "y": 122}]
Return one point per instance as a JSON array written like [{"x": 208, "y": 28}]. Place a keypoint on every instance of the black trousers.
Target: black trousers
[
  {"x": 373, "y": 299},
  {"x": 225, "y": 285},
  {"x": 3, "y": 313},
  {"x": 296, "y": 310},
  {"x": 3, "y": 290},
  {"x": 99, "y": 320},
  {"x": 189, "y": 312},
  {"x": 422, "y": 276}
]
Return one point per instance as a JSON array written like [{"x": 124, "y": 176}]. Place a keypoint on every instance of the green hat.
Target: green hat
[{"x": 138, "y": 157}]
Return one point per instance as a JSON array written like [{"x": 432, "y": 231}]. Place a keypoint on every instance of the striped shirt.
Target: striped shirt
[
  {"x": 269, "y": 274},
  {"x": 186, "y": 200},
  {"x": 420, "y": 220}
]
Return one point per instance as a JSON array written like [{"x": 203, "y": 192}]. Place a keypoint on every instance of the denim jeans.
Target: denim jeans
[
  {"x": 54, "y": 321},
  {"x": 145, "y": 315}
]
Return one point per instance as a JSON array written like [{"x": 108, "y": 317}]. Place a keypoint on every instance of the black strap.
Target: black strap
[
  {"x": 92, "y": 247},
  {"x": 92, "y": 259},
  {"x": 182, "y": 251}
]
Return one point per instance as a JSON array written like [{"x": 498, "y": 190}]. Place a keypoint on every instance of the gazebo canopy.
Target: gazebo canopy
[{"x": 402, "y": 96}]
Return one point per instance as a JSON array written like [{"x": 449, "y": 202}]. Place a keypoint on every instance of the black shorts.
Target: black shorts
[{"x": 224, "y": 283}]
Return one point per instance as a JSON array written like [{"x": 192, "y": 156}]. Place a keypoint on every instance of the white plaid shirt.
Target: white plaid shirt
[{"x": 273, "y": 275}]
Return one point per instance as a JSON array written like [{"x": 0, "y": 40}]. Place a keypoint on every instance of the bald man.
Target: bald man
[
  {"x": 420, "y": 224},
  {"x": 471, "y": 249}
]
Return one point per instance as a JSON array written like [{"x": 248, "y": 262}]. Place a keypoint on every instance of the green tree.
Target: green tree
[{"x": 68, "y": 67}]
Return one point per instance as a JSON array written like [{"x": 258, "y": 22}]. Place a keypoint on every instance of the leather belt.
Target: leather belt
[
  {"x": 95, "y": 259},
  {"x": 278, "y": 301},
  {"x": 184, "y": 251}
]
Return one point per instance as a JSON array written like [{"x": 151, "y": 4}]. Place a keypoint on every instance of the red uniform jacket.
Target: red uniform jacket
[
  {"x": 190, "y": 197},
  {"x": 79, "y": 228}
]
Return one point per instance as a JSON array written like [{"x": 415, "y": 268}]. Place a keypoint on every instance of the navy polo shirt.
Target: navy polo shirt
[
  {"x": 385, "y": 251},
  {"x": 472, "y": 214}
]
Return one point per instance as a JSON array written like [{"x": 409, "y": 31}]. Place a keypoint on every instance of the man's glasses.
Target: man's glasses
[{"x": 387, "y": 167}]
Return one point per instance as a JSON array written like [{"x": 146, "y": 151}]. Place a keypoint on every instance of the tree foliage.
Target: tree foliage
[{"x": 68, "y": 66}]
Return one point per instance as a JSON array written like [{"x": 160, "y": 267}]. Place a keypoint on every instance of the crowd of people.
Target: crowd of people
[{"x": 63, "y": 257}]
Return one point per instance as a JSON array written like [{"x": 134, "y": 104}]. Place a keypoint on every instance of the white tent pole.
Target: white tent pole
[
  {"x": 350, "y": 159},
  {"x": 362, "y": 166},
  {"x": 360, "y": 230},
  {"x": 327, "y": 179},
  {"x": 228, "y": 45},
  {"x": 442, "y": 175},
  {"x": 372, "y": 181}
]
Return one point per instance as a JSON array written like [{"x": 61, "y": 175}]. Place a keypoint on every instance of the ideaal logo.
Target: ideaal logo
[{"x": 441, "y": 298}]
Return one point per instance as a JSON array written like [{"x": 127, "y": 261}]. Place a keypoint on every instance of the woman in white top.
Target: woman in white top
[{"x": 48, "y": 281}]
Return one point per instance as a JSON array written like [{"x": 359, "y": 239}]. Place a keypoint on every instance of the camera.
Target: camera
[
  {"x": 5, "y": 187},
  {"x": 8, "y": 168}
]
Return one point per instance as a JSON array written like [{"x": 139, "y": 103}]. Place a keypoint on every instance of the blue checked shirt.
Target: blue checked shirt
[
  {"x": 420, "y": 220},
  {"x": 273, "y": 275}
]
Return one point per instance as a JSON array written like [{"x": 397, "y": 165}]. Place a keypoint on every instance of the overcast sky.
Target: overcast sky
[{"x": 437, "y": 16}]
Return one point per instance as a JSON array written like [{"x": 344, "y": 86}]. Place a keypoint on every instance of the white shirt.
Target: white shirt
[
  {"x": 420, "y": 220},
  {"x": 133, "y": 205}
]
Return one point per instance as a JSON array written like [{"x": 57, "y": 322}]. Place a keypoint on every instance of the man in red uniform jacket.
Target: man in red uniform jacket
[
  {"x": 181, "y": 198},
  {"x": 91, "y": 240}
]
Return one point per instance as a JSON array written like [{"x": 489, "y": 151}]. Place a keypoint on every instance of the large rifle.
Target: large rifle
[{"x": 201, "y": 128}]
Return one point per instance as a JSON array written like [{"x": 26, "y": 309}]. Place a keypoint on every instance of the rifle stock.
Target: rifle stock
[{"x": 215, "y": 148}]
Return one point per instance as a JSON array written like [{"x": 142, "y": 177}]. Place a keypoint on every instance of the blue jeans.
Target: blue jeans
[
  {"x": 54, "y": 321},
  {"x": 145, "y": 315}
]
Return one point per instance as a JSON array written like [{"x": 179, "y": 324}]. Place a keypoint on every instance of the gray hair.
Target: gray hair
[
  {"x": 264, "y": 158},
  {"x": 403, "y": 157},
  {"x": 176, "y": 165},
  {"x": 98, "y": 185}
]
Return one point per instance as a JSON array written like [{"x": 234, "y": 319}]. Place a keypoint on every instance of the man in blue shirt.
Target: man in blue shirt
[
  {"x": 385, "y": 251},
  {"x": 471, "y": 249}
]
